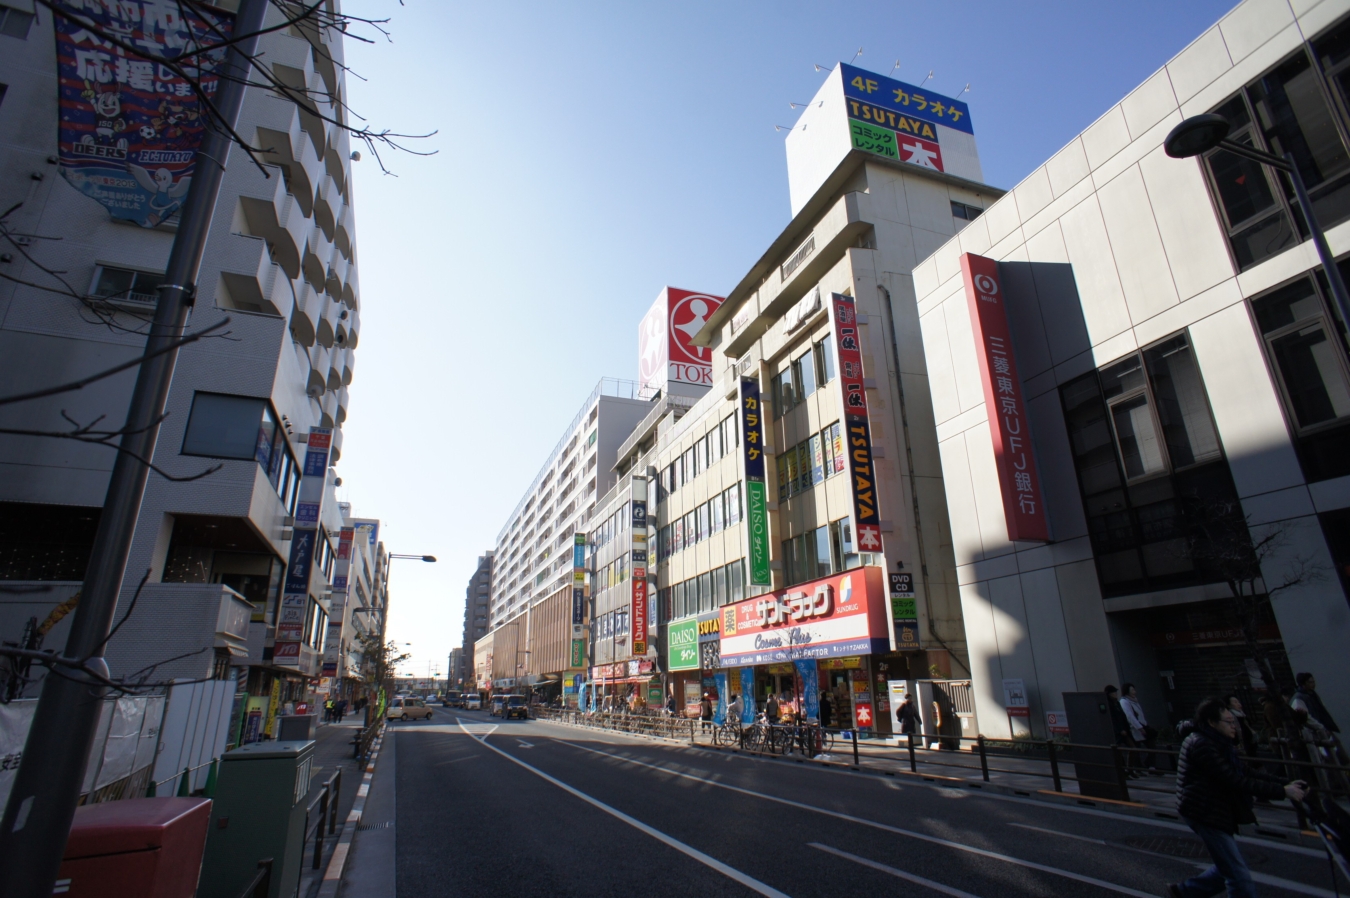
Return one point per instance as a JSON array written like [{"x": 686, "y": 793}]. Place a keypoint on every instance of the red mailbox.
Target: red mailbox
[{"x": 138, "y": 848}]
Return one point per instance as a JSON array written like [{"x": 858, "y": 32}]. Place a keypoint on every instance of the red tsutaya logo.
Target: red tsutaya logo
[{"x": 1023, "y": 504}]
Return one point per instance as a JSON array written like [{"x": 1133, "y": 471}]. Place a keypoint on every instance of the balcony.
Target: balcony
[{"x": 180, "y": 619}]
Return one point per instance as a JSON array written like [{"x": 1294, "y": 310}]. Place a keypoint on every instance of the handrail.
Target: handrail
[
  {"x": 327, "y": 802},
  {"x": 261, "y": 883}
]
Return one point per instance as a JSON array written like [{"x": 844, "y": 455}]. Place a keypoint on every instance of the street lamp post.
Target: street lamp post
[
  {"x": 384, "y": 618},
  {"x": 1201, "y": 133}
]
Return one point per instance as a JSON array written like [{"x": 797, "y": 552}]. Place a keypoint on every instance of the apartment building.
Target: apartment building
[
  {"x": 1183, "y": 384},
  {"x": 477, "y": 609},
  {"x": 265, "y": 401}
]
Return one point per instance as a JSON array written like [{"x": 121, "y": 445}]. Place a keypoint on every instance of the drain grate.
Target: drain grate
[
  {"x": 1181, "y": 847},
  {"x": 365, "y": 826}
]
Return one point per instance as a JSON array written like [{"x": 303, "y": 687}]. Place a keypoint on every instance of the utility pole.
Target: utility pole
[{"x": 42, "y": 802}]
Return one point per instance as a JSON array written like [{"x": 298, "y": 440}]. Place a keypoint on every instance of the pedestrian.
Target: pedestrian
[
  {"x": 1140, "y": 731},
  {"x": 734, "y": 710},
  {"x": 1215, "y": 792},
  {"x": 826, "y": 710},
  {"x": 341, "y": 709},
  {"x": 670, "y": 703},
  {"x": 1246, "y": 739},
  {"x": 771, "y": 708},
  {"x": 908, "y": 715},
  {"x": 1120, "y": 724},
  {"x": 328, "y": 711},
  {"x": 705, "y": 711},
  {"x": 1307, "y": 699}
]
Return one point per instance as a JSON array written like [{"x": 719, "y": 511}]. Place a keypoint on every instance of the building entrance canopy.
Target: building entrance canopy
[{"x": 834, "y": 617}]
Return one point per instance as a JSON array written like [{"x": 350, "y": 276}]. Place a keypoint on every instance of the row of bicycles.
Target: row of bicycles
[{"x": 807, "y": 739}]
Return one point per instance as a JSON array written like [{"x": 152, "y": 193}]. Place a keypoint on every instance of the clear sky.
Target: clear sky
[{"x": 589, "y": 154}]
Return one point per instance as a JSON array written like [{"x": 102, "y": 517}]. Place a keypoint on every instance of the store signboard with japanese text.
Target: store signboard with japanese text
[
  {"x": 1009, "y": 425},
  {"x": 130, "y": 128},
  {"x": 304, "y": 545},
  {"x": 904, "y": 611},
  {"x": 897, "y": 120},
  {"x": 834, "y": 617},
  {"x": 857, "y": 428},
  {"x": 578, "y": 583},
  {"x": 638, "y": 548},
  {"x": 682, "y": 640},
  {"x": 756, "y": 498}
]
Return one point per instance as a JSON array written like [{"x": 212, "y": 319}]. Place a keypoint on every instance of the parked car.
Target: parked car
[
  {"x": 498, "y": 702},
  {"x": 453, "y": 700},
  {"x": 407, "y": 709},
  {"x": 516, "y": 706},
  {"x": 473, "y": 702}
]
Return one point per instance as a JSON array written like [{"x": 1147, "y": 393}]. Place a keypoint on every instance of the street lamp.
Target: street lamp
[
  {"x": 384, "y": 618},
  {"x": 1202, "y": 133}
]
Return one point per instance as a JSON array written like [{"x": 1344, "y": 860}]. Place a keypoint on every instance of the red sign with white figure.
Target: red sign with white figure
[
  {"x": 1009, "y": 426},
  {"x": 666, "y": 351}
]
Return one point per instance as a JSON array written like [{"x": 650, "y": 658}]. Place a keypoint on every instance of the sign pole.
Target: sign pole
[{"x": 47, "y": 786}]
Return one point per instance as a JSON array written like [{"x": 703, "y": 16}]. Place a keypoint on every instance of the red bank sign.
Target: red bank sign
[{"x": 1023, "y": 503}]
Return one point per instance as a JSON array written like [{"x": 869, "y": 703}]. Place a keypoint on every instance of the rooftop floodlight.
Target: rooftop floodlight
[
  {"x": 429, "y": 558},
  {"x": 855, "y": 56},
  {"x": 821, "y": 68},
  {"x": 894, "y": 67},
  {"x": 1197, "y": 134}
]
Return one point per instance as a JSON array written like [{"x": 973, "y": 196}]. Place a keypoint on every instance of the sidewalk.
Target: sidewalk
[
  {"x": 332, "y": 751},
  {"x": 370, "y": 869}
]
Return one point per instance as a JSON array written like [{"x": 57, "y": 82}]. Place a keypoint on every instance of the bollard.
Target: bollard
[
  {"x": 855, "y": 748},
  {"x": 210, "y": 790},
  {"x": 1054, "y": 764},
  {"x": 185, "y": 785},
  {"x": 984, "y": 759},
  {"x": 913, "y": 766},
  {"x": 691, "y": 732},
  {"x": 150, "y": 790},
  {"x": 1121, "y": 779}
]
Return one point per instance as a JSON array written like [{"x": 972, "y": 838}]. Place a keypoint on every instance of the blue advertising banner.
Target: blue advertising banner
[
  {"x": 129, "y": 127},
  {"x": 806, "y": 672},
  {"x": 302, "y": 559},
  {"x": 720, "y": 710},
  {"x": 747, "y": 695},
  {"x": 905, "y": 101}
]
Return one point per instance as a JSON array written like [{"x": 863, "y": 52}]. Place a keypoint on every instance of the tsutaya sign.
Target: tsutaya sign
[
  {"x": 835, "y": 617},
  {"x": 666, "y": 352},
  {"x": 857, "y": 429},
  {"x": 1009, "y": 427},
  {"x": 897, "y": 120}
]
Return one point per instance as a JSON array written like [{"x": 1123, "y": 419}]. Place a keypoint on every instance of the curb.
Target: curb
[
  {"x": 1264, "y": 832},
  {"x": 332, "y": 876}
]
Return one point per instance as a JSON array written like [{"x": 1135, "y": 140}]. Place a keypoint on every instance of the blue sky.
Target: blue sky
[{"x": 587, "y": 156}]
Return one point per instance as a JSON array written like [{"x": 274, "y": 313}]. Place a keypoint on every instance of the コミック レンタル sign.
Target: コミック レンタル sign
[
  {"x": 756, "y": 499},
  {"x": 130, "y": 128},
  {"x": 857, "y": 430},
  {"x": 1009, "y": 426},
  {"x": 834, "y": 617}
]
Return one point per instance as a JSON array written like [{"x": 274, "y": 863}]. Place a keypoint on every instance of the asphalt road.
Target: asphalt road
[{"x": 526, "y": 808}]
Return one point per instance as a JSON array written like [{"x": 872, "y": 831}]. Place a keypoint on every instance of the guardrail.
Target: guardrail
[
  {"x": 365, "y": 738},
  {"x": 327, "y": 802},
  {"x": 1041, "y": 759}
]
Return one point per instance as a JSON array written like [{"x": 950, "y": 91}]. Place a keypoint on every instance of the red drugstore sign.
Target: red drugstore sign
[{"x": 1023, "y": 502}]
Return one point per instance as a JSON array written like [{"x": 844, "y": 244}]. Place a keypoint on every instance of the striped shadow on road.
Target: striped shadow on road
[
  {"x": 899, "y": 874},
  {"x": 923, "y": 837},
  {"x": 731, "y": 872}
]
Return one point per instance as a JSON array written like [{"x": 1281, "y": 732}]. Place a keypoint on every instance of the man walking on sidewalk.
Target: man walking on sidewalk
[{"x": 1215, "y": 794}]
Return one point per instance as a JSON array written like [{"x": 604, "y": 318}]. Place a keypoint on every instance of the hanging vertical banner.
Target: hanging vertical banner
[
  {"x": 1014, "y": 455},
  {"x": 810, "y": 688},
  {"x": 304, "y": 546},
  {"x": 756, "y": 504},
  {"x": 578, "y": 584},
  {"x": 130, "y": 127},
  {"x": 638, "y": 547},
  {"x": 857, "y": 430},
  {"x": 333, "y": 651}
]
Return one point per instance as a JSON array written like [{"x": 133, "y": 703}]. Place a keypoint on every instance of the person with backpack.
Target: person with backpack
[{"x": 1215, "y": 793}]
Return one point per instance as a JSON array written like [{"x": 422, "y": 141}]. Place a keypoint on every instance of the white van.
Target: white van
[{"x": 473, "y": 702}]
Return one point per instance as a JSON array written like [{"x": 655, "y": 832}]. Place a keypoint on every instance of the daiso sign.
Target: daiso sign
[{"x": 666, "y": 352}]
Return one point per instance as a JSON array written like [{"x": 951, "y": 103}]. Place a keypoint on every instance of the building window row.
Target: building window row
[
  {"x": 713, "y": 516},
  {"x": 612, "y": 526},
  {"x": 810, "y": 462},
  {"x": 721, "y": 441},
  {"x": 804, "y": 375},
  {"x": 706, "y": 592},
  {"x": 612, "y": 574},
  {"x": 820, "y": 552},
  {"x": 244, "y": 427}
]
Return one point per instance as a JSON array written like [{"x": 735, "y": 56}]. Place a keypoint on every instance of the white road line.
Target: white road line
[
  {"x": 524, "y": 744},
  {"x": 923, "y": 837},
  {"x": 730, "y": 872},
  {"x": 901, "y": 874},
  {"x": 1055, "y": 832}
]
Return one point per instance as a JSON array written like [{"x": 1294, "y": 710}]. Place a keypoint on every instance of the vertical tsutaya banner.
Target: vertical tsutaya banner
[
  {"x": 638, "y": 546},
  {"x": 857, "y": 430},
  {"x": 130, "y": 128},
  {"x": 1023, "y": 505},
  {"x": 304, "y": 546},
  {"x": 756, "y": 505}
]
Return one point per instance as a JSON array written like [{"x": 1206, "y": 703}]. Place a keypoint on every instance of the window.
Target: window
[
  {"x": 1285, "y": 111},
  {"x": 243, "y": 427},
  {"x": 701, "y": 518},
  {"x": 1310, "y": 367},
  {"x": 125, "y": 284},
  {"x": 14, "y": 22},
  {"x": 736, "y": 581},
  {"x": 784, "y": 392},
  {"x": 824, "y": 361},
  {"x": 733, "y": 504},
  {"x": 717, "y": 509},
  {"x": 3, "y": 89},
  {"x": 590, "y": 440},
  {"x": 965, "y": 212},
  {"x": 843, "y": 555},
  {"x": 804, "y": 372}
]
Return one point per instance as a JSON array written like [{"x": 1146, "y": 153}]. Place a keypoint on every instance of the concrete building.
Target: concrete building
[
  {"x": 1183, "y": 376},
  {"x": 281, "y": 264},
  {"x": 477, "y": 609}
]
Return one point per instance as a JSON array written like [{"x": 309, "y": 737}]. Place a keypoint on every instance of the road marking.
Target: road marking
[
  {"x": 923, "y": 837},
  {"x": 730, "y": 872},
  {"x": 524, "y": 744},
  {"x": 1265, "y": 878},
  {"x": 901, "y": 874}
]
